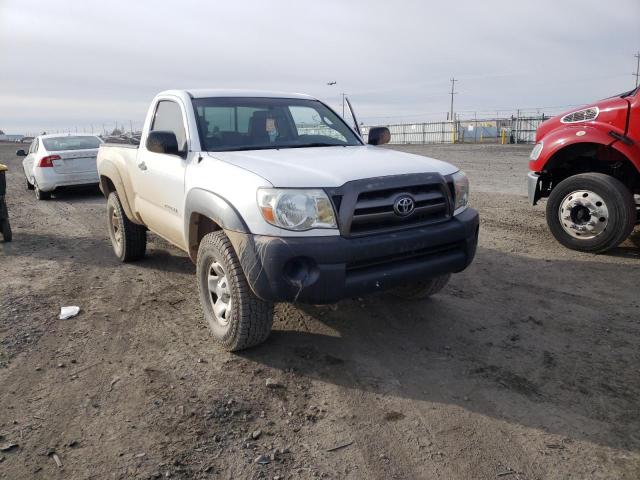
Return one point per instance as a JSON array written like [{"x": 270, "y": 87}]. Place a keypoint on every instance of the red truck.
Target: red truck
[{"x": 587, "y": 162}]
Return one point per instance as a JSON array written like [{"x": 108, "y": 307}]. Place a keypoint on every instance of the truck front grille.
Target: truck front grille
[
  {"x": 375, "y": 210},
  {"x": 367, "y": 206}
]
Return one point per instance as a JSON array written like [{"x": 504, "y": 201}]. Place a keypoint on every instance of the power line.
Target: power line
[{"x": 453, "y": 83}]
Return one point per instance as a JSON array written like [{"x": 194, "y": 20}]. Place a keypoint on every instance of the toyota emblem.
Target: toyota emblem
[{"x": 404, "y": 206}]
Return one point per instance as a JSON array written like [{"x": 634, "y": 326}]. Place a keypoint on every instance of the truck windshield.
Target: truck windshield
[
  {"x": 56, "y": 144},
  {"x": 244, "y": 123}
]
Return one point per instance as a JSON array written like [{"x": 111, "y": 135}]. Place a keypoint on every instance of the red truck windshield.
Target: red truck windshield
[{"x": 241, "y": 123}]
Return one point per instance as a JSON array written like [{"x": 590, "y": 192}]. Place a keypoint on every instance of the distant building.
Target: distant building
[{"x": 10, "y": 138}]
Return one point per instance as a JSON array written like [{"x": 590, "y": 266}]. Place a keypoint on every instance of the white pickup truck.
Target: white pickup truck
[{"x": 276, "y": 198}]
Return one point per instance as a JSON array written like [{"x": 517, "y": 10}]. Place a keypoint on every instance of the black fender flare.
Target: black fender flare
[{"x": 216, "y": 208}]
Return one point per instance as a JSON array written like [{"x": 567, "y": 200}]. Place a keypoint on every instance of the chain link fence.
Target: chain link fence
[{"x": 493, "y": 130}]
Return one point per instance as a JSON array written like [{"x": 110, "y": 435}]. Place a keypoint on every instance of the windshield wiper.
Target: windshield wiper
[
  {"x": 277, "y": 147},
  {"x": 629, "y": 93},
  {"x": 246, "y": 147},
  {"x": 315, "y": 144}
]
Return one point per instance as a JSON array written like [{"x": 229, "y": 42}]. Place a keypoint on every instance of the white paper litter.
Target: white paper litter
[{"x": 68, "y": 312}]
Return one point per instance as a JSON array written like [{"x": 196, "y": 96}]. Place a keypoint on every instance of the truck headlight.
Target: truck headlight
[
  {"x": 461, "y": 188},
  {"x": 537, "y": 150},
  {"x": 294, "y": 209}
]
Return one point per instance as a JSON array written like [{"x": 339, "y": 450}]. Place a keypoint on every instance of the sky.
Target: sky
[{"x": 84, "y": 64}]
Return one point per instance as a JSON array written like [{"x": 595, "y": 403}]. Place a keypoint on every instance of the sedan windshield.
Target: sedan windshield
[
  {"x": 243, "y": 123},
  {"x": 56, "y": 144}
]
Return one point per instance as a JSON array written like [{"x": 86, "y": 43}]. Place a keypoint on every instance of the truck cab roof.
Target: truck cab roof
[{"x": 219, "y": 92}]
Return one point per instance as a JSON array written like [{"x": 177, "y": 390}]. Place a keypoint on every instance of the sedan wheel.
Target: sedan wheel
[{"x": 40, "y": 195}]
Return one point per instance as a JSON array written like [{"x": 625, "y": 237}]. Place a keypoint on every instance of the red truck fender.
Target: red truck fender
[{"x": 565, "y": 137}]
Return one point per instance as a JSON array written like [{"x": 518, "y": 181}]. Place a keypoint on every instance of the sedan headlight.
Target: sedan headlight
[
  {"x": 294, "y": 209},
  {"x": 461, "y": 186}
]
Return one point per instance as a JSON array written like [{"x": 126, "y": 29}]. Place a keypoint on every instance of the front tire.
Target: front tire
[
  {"x": 591, "y": 212},
  {"x": 237, "y": 318},
  {"x": 28, "y": 184},
  {"x": 423, "y": 289},
  {"x": 129, "y": 240}
]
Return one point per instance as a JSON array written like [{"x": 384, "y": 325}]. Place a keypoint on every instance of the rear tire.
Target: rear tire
[
  {"x": 423, "y": 289},
  {"x": 591, "y": 212},
  {"x": 28, "y": 184},
  {"x": 40, "y": 195},
  {"x": 129, "y": 240},
  {"x": 237, "y": 318}
]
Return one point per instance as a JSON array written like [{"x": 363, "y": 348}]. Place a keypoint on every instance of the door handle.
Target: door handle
[{"x": 142, "y": 166}]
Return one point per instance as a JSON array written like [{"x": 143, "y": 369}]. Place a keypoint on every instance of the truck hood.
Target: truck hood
[
  {"x": 612, "y": 113},
  {"x": 330, "y": 166}
]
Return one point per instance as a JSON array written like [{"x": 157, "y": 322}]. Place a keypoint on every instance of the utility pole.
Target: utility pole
[
  {"x": 637, "y": 74},
  {"x": 343, "y": 95},
  {"x": 453, "y": 83}
]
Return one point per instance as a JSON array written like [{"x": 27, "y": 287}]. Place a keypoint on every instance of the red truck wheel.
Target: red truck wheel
[{"x": 591, "y": 212}]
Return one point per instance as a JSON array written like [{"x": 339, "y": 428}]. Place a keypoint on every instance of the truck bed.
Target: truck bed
[{"x": 119, "y": 145}]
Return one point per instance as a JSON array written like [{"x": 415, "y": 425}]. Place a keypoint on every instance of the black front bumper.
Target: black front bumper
[{"x": 326, "y": 269}]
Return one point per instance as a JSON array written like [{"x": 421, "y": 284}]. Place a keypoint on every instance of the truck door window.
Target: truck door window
[{"x": 168, "y": 117}]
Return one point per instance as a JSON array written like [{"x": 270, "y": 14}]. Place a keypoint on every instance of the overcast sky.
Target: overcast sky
[{"x": 68, "y": 63}]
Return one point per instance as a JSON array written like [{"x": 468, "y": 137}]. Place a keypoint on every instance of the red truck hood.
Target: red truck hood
[{"x": 613, "y": 111}]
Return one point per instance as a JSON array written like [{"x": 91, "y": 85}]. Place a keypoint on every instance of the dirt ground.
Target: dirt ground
[{"x": 527, "y": 366}]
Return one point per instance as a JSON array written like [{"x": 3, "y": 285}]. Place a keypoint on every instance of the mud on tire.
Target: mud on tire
[
  {"x": 423, "y": 289},
  {"x": 247, "y": 321},
  {"x": 129, "y": 240}
]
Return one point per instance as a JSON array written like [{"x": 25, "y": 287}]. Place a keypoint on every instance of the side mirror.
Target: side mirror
[
  {"x": 21, "y": 153},
  {"x": 379, "y": 136},
  {"x": 161, "y": 141}
]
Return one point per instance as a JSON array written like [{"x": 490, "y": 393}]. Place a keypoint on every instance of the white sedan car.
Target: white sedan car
[{"x": 55, "y": 161}]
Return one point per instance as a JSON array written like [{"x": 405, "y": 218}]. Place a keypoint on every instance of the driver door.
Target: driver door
[{"x": 160, "y": 177}]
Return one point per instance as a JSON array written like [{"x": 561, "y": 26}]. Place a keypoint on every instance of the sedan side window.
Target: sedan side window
[{"x": 168, "y": 117}]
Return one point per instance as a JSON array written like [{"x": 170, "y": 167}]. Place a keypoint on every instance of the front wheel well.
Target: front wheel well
[
  {"x": 588, "y": 158},
  {"x": 199, "y": 226}
]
